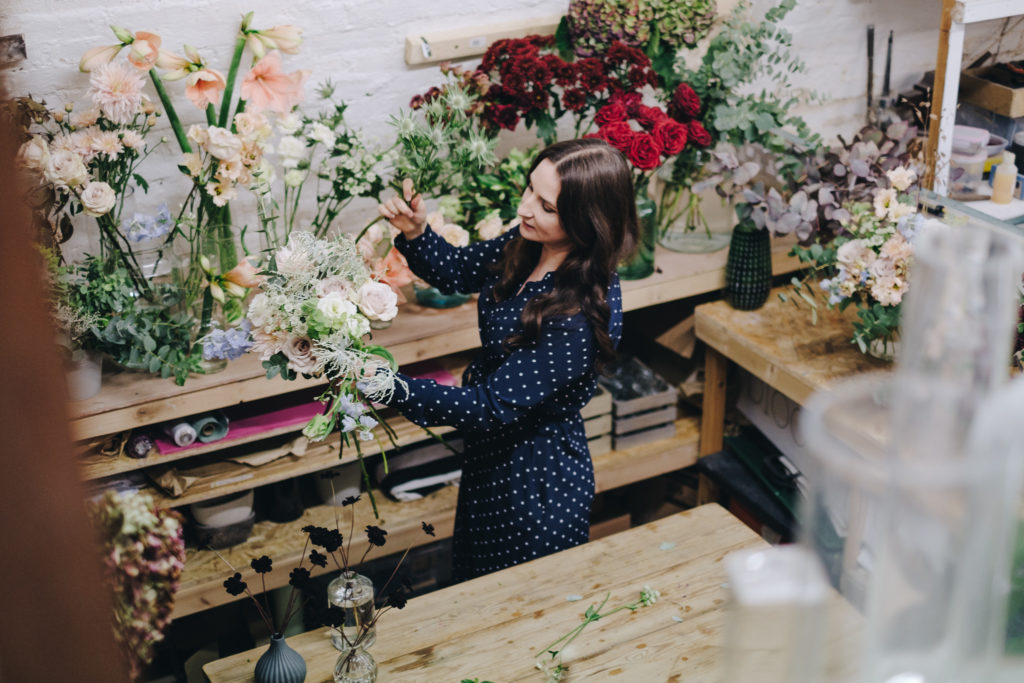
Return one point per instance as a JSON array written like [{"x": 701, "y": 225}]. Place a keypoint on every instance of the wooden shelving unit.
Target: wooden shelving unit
[{"x": 130, "y": 400}]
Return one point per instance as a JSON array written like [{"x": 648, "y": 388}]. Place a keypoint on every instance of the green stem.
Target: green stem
[
  {"x": 211, "y": 115},
  {"x": 236, "y": 59},
  {"x": 172, "y": 115}
]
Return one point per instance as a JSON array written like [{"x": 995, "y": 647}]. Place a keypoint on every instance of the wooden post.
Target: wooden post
[
  {"x": 712, "y": 421},
  {"x": 943, "y": 109}
]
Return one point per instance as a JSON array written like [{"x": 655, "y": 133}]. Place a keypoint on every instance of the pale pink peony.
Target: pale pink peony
[
  {"x": 455, "y": 235},
  {"x": 117, "y": 90},
  {"x": 66, "y": 169},
  {"x": 252, "y": 126},
  {"x": 204, "y": 87},
  {"x": 855, "y": 255},
  {"x": 222, "y": 143},
  {"x": 266, "y": 87},
  {"x": 333, "y": 284},
  {"x": 897, "y": 248},
  {"x": 490, "y": 227},
  {"x": 144, "y": 50}
]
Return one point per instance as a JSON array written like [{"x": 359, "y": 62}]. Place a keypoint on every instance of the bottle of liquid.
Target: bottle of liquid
[{"x": 1004, "y": 180}]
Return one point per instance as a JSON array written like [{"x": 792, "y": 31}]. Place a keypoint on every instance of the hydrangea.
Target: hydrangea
[
  {"x": 228, "y": 344},
  {"x": 596, "y": 24},
  {"x": 141, "y": 227}
]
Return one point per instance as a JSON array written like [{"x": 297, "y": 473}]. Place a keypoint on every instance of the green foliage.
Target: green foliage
[
  {"x": 498, "y": 189},
  {"x": 154, "y": 337}
]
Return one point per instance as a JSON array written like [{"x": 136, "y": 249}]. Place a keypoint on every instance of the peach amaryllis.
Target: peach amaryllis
[
  {"x": 267, "y": 87},
  {"x": 144, "y": 50}
]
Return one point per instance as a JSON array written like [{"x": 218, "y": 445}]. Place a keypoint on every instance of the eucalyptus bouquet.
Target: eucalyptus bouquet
[{"x": 315, "y": 308}]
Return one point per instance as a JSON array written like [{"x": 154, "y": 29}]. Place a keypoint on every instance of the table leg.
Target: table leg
[{"x": 712, "y": 421}]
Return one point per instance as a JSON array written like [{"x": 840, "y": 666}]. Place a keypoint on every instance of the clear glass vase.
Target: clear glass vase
[
  {"x": 353, "y": 593},
  {"x": 691, "y": 222},
  {"x": 641, "y": 263},
  {"x": 355, "y": 666}
]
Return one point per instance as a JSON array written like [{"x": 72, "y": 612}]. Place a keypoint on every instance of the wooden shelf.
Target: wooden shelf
[
  {"x": 131, "y": 399},
  {"x": 321, "y": 456},
  {"x": 202, "y": 582}
]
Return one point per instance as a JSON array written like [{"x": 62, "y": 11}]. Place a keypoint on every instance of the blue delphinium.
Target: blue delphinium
[{"x": 141, "y": 227}]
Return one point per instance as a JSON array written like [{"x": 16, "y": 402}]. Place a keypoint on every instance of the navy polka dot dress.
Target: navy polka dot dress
[{"x": 527, "y": 478}]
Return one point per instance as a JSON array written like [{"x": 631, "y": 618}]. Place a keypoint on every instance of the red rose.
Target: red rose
[
  {"x": 630, "y": 100},
  {"x": 644, "y": 152},
  {"x": 618, "y": 134},
  {"x": 671, "y": 135},
  {"x": 698, "y": 134},
  {"x": 685, "y": 102},
  {"x": 647, "y": 116},
  {"x": 610, "y": 113}
]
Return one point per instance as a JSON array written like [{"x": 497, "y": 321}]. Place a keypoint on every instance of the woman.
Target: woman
[{"x": 550, "y": 314}]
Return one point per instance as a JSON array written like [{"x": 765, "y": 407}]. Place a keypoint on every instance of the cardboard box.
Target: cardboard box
[{"x": 978, "y": 90}]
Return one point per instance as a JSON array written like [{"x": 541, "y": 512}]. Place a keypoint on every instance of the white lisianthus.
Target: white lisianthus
[
  {"x": 98, "y": 199},
  {"x": 855, "y": 255},
  {"x": 289, "y": 123},
  {"x": 252, "y": 126},
  {"x": 356, "y": 326},
  {"x": 335, "y": 306},
  {"x": 34, "y": 154},
  {"x": 490, "y": 227},
  {"x": 377, "y": 301},
  {"x": 259, "y": 311},
  {"x": 193, "y": 162},
  {"x": 455, "y": 235},
  {"x": 198, "y": 134},
  {"x": 899, "y": 210},
  {"x": 222, "y": 143},
  {"x": 901, "y": 177},
  {"x": 291, "y": 149},
  {"x": 884, "y": 200},
  {"x": 294, "y": 177},
  {"x": 322, "y": 134},
  {"x": 66, "y": 169}
]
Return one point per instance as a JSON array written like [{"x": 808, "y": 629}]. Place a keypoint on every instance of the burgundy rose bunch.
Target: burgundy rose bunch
[{"x": 647, "y": 135}]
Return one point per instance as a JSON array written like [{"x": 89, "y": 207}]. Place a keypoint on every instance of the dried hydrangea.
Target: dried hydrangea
[
  {"x": 143, "y": 557},
  {"x": 596, "y": 24}
]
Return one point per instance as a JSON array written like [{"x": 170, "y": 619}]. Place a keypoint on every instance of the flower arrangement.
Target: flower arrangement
[
  {"x": 593, "y": 25},
  {"x": 143, "y": 557},
  {"x": 868, "y": 264}
]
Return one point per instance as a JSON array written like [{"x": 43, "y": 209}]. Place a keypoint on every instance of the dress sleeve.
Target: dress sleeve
[
  {"x": 452, "y": 269},
  {"x": 563, "y": 354}
]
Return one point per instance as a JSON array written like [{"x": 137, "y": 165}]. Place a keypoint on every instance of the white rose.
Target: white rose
[
  {"x": 291, "y": 150},
  {"x": 259, "y": 310},
  {"x": 289, "y": 123},
  {"x": 335, "y": 306},
  {"x": 222, "y": 143},
  {"x": 294, "y": 177},
  {"x": 252, "y": 126},
  {"x": 901, "y": 177},
  {"x": 378, "y": 301},
  {"x": 490, "y": 227},
  {"x": 455, "y": 235},
  {"x": 66, "y": 168},
  {"x": 98, "y": 199},
  {"x": 335, "y": 283},
  {"x": 322, "y": 134},
  {"x": 356, "y": 326},
  {"x": 34, "y": 154},
  {"x": 435, "y": 219}
]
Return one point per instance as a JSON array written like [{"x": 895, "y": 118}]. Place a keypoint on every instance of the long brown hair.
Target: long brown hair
[{"x": 598, "y": 212}]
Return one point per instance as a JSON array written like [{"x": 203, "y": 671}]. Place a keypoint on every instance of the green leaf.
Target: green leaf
[
  {"x": 149, "y": 344},
  {"x": 563, "y": 42},
  {"x": 141, "y": 182},
  {"x": 154, "y": 364}
]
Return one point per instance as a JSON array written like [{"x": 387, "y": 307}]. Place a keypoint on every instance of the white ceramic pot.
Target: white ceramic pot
[
  {"x": 225, "y": 511},
  {"x": 84, "y": 373}
]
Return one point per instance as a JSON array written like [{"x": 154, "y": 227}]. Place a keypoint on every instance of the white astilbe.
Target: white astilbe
[{"x": 339, "y": 360}]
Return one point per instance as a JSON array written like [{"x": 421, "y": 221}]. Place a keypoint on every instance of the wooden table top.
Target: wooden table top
[
  {"x": 780, "y": 345},
  {"x": 490, "y": 628}
]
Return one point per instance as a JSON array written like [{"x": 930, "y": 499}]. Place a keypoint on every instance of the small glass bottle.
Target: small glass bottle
[
  {"x": 355, "y": 665},
  {"x": 353, "y": 593}
]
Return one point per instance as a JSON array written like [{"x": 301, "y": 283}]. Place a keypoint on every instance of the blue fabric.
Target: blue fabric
[{"x": 527, "y": 478}]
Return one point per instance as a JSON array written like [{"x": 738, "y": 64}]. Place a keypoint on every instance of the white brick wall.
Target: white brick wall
[{"x": 360, "y": 44}]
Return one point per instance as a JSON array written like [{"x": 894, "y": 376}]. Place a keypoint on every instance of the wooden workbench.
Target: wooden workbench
[
  {"x": 780, "y": 345},
  {"x": 491, "y": 627}
]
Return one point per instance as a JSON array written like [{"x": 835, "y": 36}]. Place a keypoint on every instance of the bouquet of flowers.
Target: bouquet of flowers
[
  {"x": 317, "y": 303},
  {"x": 593, "y": 25},
  {"x": 143, "y": 557},
  {"x": 868, "y": 264}
]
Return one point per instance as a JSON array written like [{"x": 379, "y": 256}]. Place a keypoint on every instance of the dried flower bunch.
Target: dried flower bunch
[
  {"x": 143, "y": 557},
  {"x": 593, "y": 25}
]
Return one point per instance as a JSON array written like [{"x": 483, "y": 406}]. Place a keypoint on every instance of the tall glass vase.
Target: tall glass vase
[
  {"x": 353, "y": 593},
  {"x": 748, "y": 268},
  {"x": 217, "y": 252},
  {"x": 641, "y": 263}
]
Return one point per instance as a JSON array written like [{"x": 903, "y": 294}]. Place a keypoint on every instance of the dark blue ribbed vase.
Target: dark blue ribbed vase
[{"x": 280, "y": 664}]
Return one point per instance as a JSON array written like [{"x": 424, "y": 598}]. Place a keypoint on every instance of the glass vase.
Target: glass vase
[
  {"x": 432, "y": 297},
  {"x": 691, "y": 222},
  {"x": 217, "y": 252},
  {"x": 748, "y": 268},
  {"x": 641, "y": 263},
  {"x": 353, "y": 593},
  {"x": 355, "y": 666}
]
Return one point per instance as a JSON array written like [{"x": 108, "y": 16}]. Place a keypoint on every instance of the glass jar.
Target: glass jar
[
  {"x": 353, "y": 593},
  {"x": 641, "y": 263},
  {"x": 355, "y": 665}
]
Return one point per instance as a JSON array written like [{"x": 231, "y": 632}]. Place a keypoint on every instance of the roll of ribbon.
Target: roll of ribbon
[
  {"x": 139, "y": 445},
  {"x": 212, "y": 427},
  {"x": 181, "y": 433}
]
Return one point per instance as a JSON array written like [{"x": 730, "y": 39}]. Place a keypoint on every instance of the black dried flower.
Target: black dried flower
[
  {"x": 298, "y": 577},
  {"x": 376, "y": 535},
  {"x": 234, "y": 585},
  {"x": 331, "y": 540},
  {"x": 309, "y": 529},
  {"x": 398, "y": 600},
  {"x": 319, "y": 559},
  {"x": 262, "y": 565},
  {"x": 428, "y": 529},
  {"x": 351, "y": 500},
  {"x": 333, "y": 616}
]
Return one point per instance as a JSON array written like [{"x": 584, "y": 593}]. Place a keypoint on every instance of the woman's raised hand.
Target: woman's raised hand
[{"x": 407, "y": 213}]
